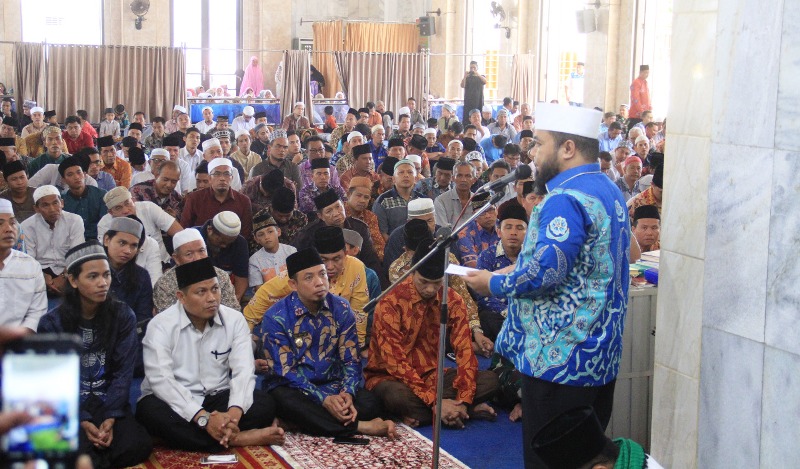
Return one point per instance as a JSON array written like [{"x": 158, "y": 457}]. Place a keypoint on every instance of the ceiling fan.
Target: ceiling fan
[{"x": 140, "y": 8}]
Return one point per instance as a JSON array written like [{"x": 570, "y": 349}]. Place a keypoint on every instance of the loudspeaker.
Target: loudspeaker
[
  {"x": 426, "y": 25},
  {"x": 586, "y": 21}
]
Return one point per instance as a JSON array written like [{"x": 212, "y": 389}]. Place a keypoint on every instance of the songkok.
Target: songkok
[
  {"x": 396, "y": 142},
  {"x": 658, "y": 177},
  {"x": 272, "y": 180},
  {"x": 172, "y": 140},
  {"x": 354, "y": 112},
  {"x": 129, "y": 142},
  {"x": 108, "y": 110},
  {"x": 159, "y": 152},
  {"x": 359, "y": 150},
  {"x": 646, "y": 211},
  {"x": 403, "y": 110},
  {"x": 44, "y": 191},
  {"x": 469, "y": 144},
  {"x": 126, "y": 225},
  {"x": 626, "y": 144},
  {"x": 329, "y": 239},
  {"x": 641, "y": 138},
  {"x": 302, "y": 260},
  {"x": 283, "y": 200},
  {"x": 12, "y": 168},
  {"x": 263, "y": 220},
  {"x": 526, "y": 133},
  {"x": 49, "y": 114},
  {"x": 51, "y": 130},
  {"x": 415, "y": 231},
  {"x": 195, "y": 272},
  {"x": 136, "y": 156},
  {"x": 227, "y": 223},
  {"x": 429, "y": 131},
  {"x": 326, "y": 198},
  {"x": 419, "y": 125},
  {"x": 570, "y": 440},
  {"x": 248, "y": 111},
  {"x": 180, "y": 108},
  {"x": 353, "y": 238},
  {"x": 474, "y": 156},
  {"x": 40, "y": 110},
  {"x": 446, "y": 164},
  {"x": 362, "y": 182},
  {"x": 414, "y": 159},
  {"x": 571, "y": 120},
  {"x": 68, "y": 163},
  {"x": 388, "y": 165},
  {"x": 487, "y": 108},
  {"x": 278, "y": 133},
  {"x": 402, "y": 162},
  {"x": 528, "y": 187},
  {"x": 480, "y": 200},
  {"x": 321, "y": 163},
  {"x": 260, "y": 115},
  {"x": 241, "y": 132},
  {"x": 420, "y": 207},
  {"x": 135, "y": 125},
  {"x": 7, "y": 142},
  {"x": 219, "y": 134},
  {"x": 514, "y": 212},
  {"x": 186, "y": 236},
  {"x": 632, "y": 159},
  {"x": 217, "y": 162},
  {"x": 433, "y": 268},
  {"x": 6, "y": 207},
  {"x": 10, "y": 121},
  {"x": 376, "y": 128},
  {"x": 419, "y": 142},
  {"x": 116, "y": 196},
  {"x": 89, "y": 251},
  {"x": 353, "y": 135},
  {"x": 211, "y": 142}
]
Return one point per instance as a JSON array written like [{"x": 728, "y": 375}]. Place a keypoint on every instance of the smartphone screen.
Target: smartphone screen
[{"x": 44, "y": 382}]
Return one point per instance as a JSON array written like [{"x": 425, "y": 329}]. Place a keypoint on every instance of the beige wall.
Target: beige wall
[
  {"x": 10, "y": 30},
  {"x": 119, "y": 24}
]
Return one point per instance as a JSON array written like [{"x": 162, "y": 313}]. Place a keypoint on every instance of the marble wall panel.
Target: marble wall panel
[
  {"x": 749, "y": 33},
  {"x": 780, "y": 408},
  {"x": 673, "y": 439},
  {"x": 729, "y": 423},
  {"x": 694, "y": 6},
  {"x": 786, "y": 135},
  {"x": 737, "y": 239}
]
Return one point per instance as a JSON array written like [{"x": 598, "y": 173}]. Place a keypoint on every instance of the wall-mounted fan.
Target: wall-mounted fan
[{"x": 140, "y": 8}]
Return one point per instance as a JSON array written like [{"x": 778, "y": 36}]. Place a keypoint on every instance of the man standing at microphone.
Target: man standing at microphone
[{"x": 568, "y": 292}]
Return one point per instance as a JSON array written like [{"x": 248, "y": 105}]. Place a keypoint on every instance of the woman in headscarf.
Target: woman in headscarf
[{"x": 253, "y": 77}]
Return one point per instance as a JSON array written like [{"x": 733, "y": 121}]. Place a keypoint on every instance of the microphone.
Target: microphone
[
  {"x": 523, "y": 171},
  {"x": 443, "y": 232}
]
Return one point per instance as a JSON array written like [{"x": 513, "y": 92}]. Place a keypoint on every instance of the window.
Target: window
[
  {"x": 63, "y": 22},
  {"x": 486, "y": 43},
  {"x": 211, "y": 56}
]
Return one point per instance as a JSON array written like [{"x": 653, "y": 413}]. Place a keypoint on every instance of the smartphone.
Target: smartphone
[
  {"x": 41, "y": 376},
  {"x": 351, "y": 440},
  {"x": 219, "y": 459}
]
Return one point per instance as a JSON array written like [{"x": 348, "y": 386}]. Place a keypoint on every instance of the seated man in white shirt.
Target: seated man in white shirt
[
  {"x": 50, "y": 234},
  {"x": 245, "y": 121},
  {"x": 22, "y": 289},
  {"x": 49, "y": 175},
  {"x": 199, "y": 388}
]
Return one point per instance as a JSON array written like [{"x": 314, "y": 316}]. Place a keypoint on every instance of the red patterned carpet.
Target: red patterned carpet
[
  {"x": 410, "y": 450},
  {"x": 250, "y": 457}
]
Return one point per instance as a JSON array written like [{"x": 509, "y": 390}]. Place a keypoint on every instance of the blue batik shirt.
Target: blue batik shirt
[
  {"x": 315, "y": 353},
  {"x": 569, "y": 292},
  {"x": 493, "y": 259}
]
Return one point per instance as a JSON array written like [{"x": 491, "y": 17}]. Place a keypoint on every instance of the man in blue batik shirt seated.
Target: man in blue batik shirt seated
[
  {"x": 479, "y": 234},
  {"x": 568, "y": 293},
  {"x": 310, "y": 343}
]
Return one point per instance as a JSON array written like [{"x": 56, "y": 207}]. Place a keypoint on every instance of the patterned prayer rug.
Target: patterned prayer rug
[
  {"x": 250, "y": 457},
  {"x": 410, "y": 450}
]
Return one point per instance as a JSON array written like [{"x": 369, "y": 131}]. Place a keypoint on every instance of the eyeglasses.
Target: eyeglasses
[
  {"x": 225, "y": 174},
  {"x": 316, "y": 151},
  {"x": 96, "y": 162},
  {"x": 158, "y": 160}
]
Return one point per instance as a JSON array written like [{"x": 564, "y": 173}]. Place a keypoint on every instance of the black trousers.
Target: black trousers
[
  {"x": 161, "y": 421},
  {"x": 543, "y": 400},
  {"x": 312, "y": 418},
  {"x": 491, "y": 323},
  {"x": 130, "y": 444}
]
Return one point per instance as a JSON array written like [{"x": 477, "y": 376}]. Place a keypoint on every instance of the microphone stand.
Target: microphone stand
[{"x": 442, "y": 243}]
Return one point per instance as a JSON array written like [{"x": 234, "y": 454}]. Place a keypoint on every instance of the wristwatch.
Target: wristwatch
[{"x": 202, "y": 421}]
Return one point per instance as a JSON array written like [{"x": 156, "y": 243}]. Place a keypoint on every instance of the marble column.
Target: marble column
[{"x": 726, "y": 387}]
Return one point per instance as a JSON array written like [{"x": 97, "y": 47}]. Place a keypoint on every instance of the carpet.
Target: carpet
[
  {"x": 410, "y": 450},
  {"x": 250, "y": 457}
]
